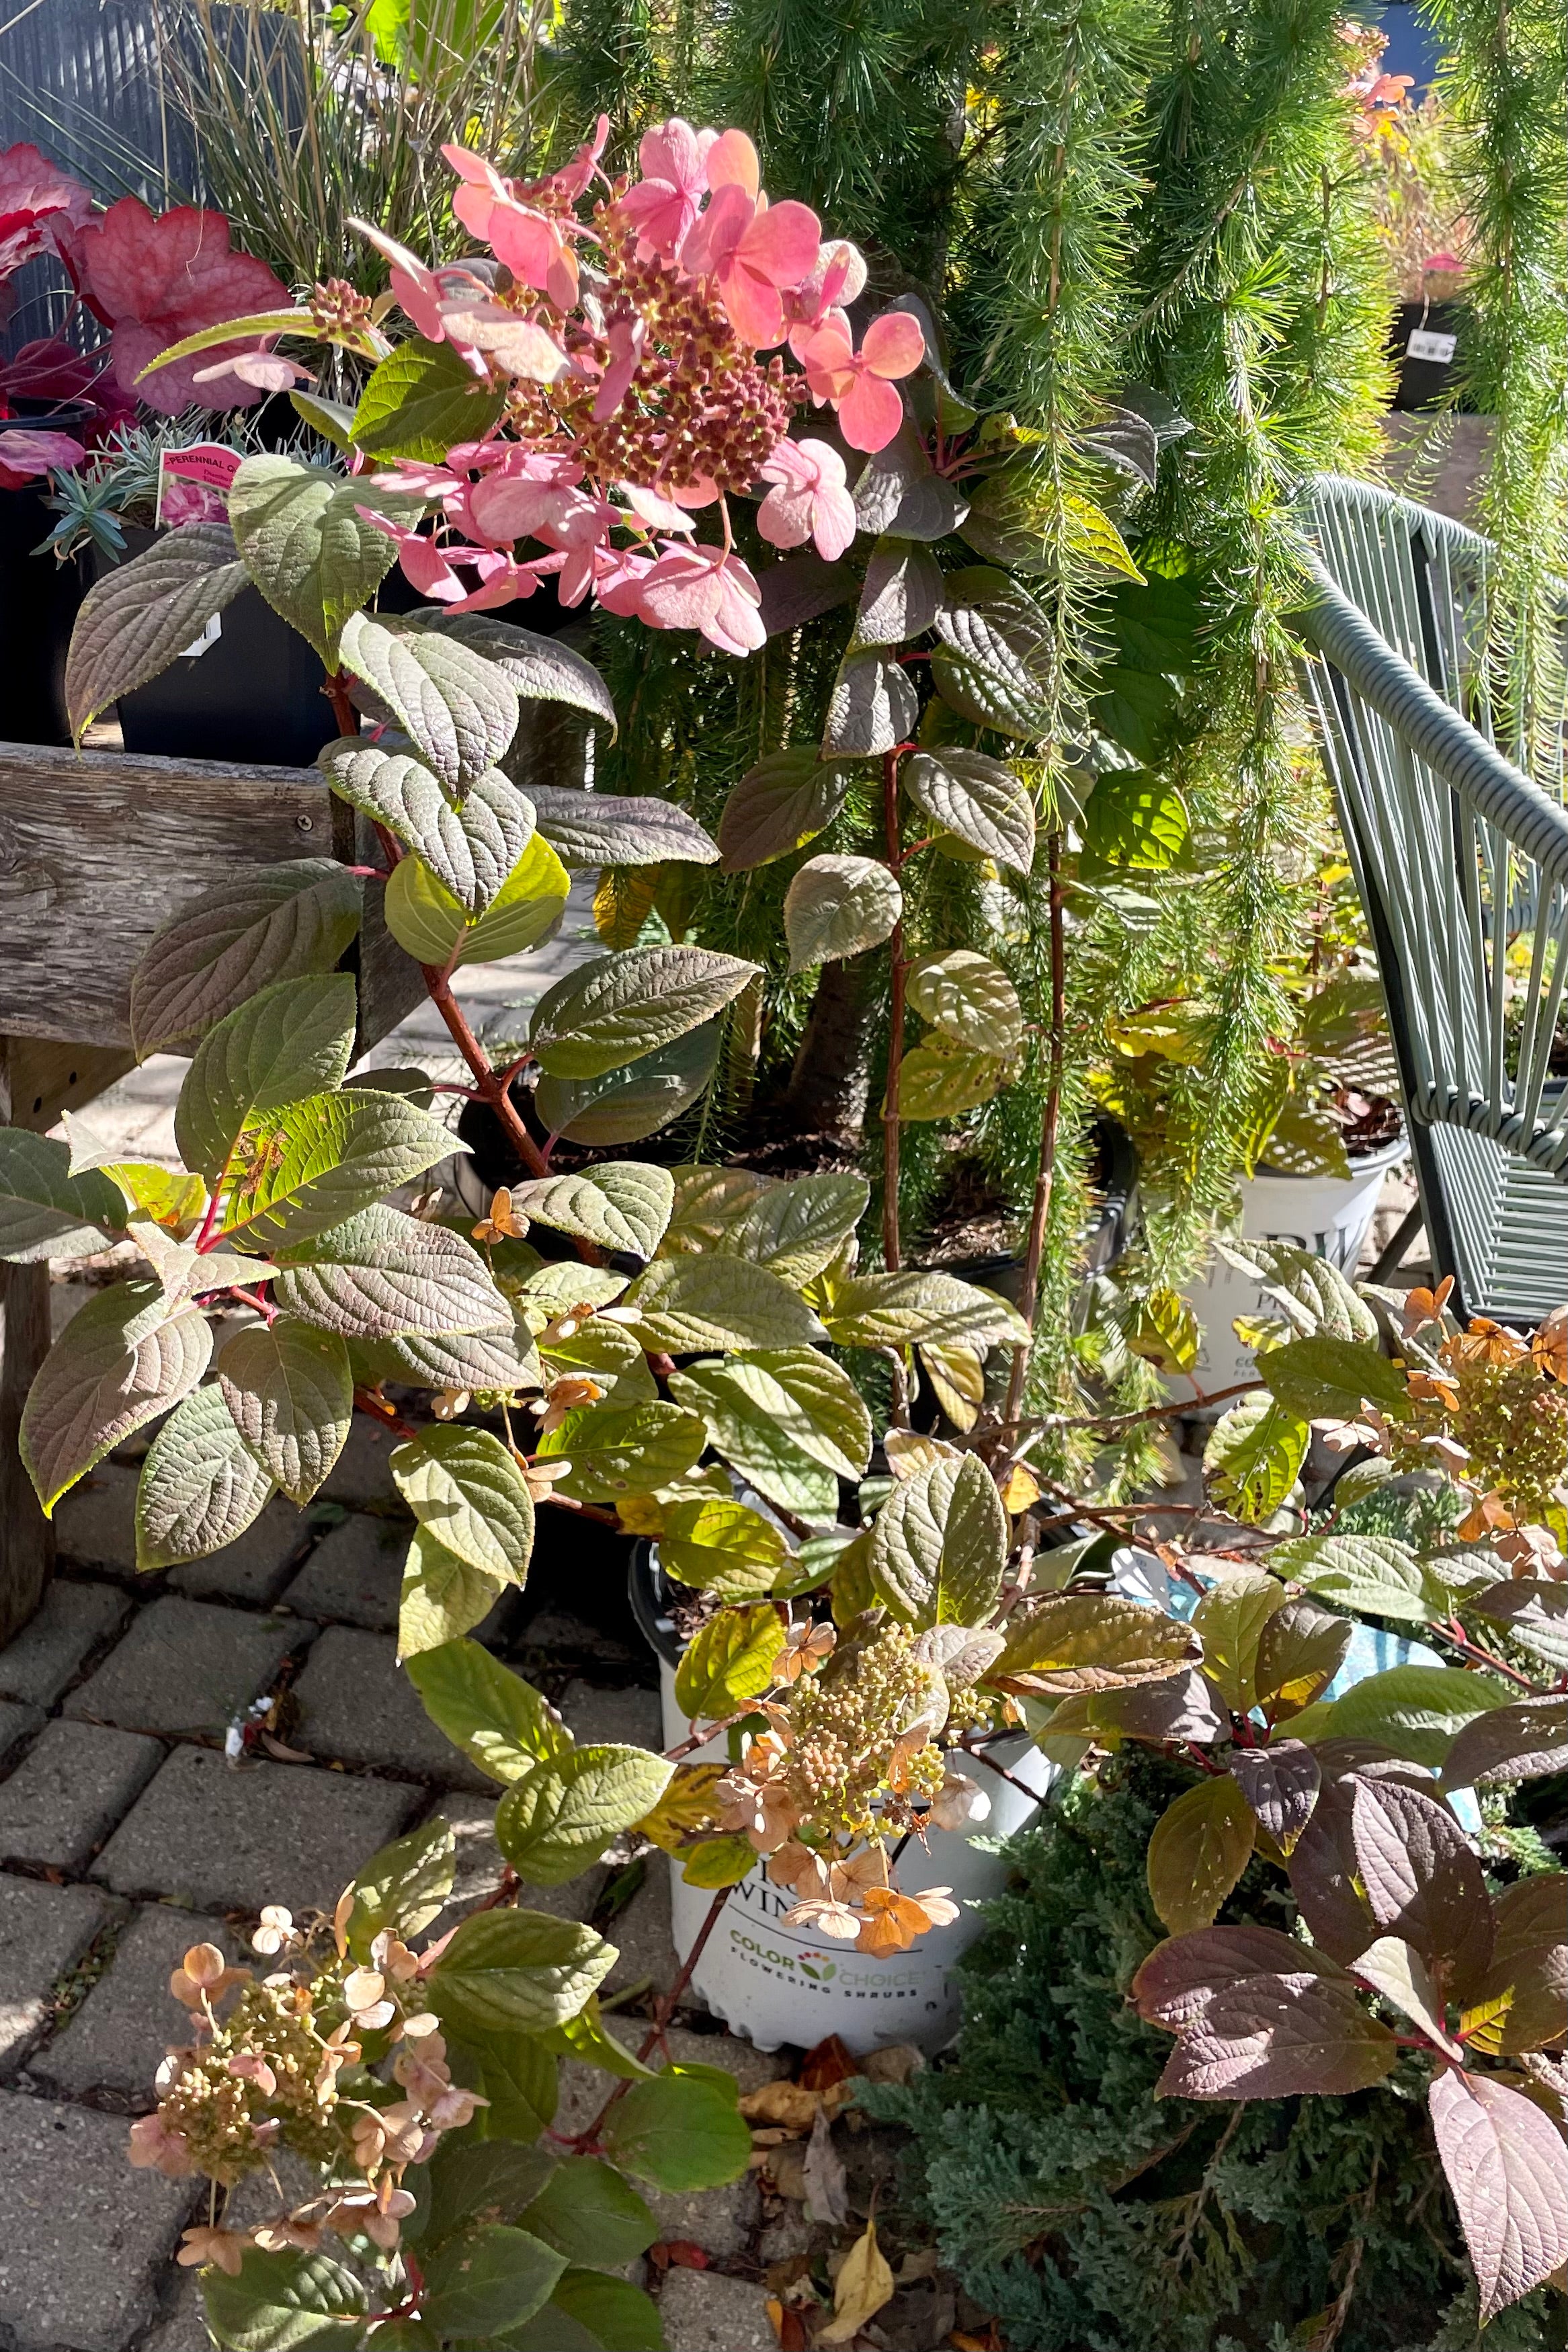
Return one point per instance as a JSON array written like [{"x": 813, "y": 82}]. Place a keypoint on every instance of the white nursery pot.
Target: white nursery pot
[
  {"x": 1329, "y": 1216},
  {"x": 776, "y": 1983}
]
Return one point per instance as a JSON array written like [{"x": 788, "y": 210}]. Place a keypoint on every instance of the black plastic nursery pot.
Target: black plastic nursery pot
[
  {"x": 39, "y": 598},
  {"x": 1426, "y": 374}
]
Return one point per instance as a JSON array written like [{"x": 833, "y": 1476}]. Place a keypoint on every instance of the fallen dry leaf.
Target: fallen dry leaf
[
  {"x": 897, "y": 2064},
  {"x": 788, "y": 2326},
  {"x": 864, "y": 2286},
  {"x": 826, "y": 2191},
  {"x": 789, "y": 2103},
  {"x": 921, "y": 2265},
  {"x": 826, "y": 2064},
  {"x": 679, "y": 2254},
  {"x": 785, "y": 2168}
]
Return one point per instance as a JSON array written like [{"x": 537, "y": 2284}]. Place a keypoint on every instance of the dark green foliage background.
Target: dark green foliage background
[{"x": 1089, "y": 2216}]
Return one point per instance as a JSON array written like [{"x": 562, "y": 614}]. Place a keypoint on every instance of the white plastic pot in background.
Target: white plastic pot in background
[
  {"x": 1329, "y": 1216},
  {"x": 775, "y": 1983}
]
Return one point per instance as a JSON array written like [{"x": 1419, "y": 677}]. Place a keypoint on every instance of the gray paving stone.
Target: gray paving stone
[
  {"x": 640, "y": 1933},
  {"x": 629, "y": 1717},
  {"x": 43, "y": 1929},
  {"x": 49, "y": 1650},
  {"x": 16, "y": 1723},
  {"x": 83, "y": 2239},
  {"x": 96, "y": 1524},
  {"x": 222, "y": 1840},
  {"x": 479, "y": 1864},
  {"x": 181, "y": 2326},
  {"x": 355, "y": 1574},
  {"x": 360, "y": 1474},
  {"x": 119, "y": 2035},
  {"x": 255, "y": 1566},
  {"x": 184, "y": 1666},
  {"x": 558, "y": 1633},
  {"x": 701, "y": 2311},
  {"x": 358, "y": 1706},
  {"x": 69, "y": 1789}
]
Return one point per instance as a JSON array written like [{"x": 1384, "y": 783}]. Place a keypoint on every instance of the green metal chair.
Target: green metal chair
[{"x": 1462, "y": 863}]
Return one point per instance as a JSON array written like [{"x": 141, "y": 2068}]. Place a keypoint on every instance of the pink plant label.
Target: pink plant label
[{"x": 194, "y": 484}]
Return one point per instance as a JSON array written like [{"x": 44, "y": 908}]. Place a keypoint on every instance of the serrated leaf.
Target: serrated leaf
[
  {"x": 201, "y": 1485},
  {"x": 1520, "y": 2004},
  {"x": 282, "y": 2303},
  {"x": 404, "y": 1886},
  {"x": 969, "y": 999},
  {"x": 900, "y": 495},
  {"x": 1315, "y": 1295},
  {"x": 1200, "y": 1846},
  {"x": 618, "y": 1008},
  {"x": 1508, "y": 2168},
  {"x": 1161, "y": 1327},
  {"x": 985, "y": 667},
  {"x": 623, "y": 1106},
  {"x": 1396, "y": 1970},
  {"x": 308, "y": 548},
  {"x": 275, "y": 923},
  {"x": 464, "y": 1486},
  {"x": 291, "y": 1395},
  {"x": 894, "y": 1310},
  {"x": 1324, "y": 1376},
  {"x": 590, "y": 2313},
  {"x": 938, "y": 1078},
  {"x": 1518, "y": 1741},
  {"x": 517, "y": 2072},
  {"x": 1275, "y": 2037},
  {"x": 1534, "y": 1610},
  {"x": 1253, "y": 1458},
  {"x": 122, "y": 1360},
  {"x": 141, "y": 614},
  {"x": 442, "y": 1598},
  {"x": 728, "y": 1662},
  {"x": 471, "y": 849},
  {"x": 590, "y": 2215},
  {"x": 1090, "y": 1641},
  {"x": 1299, "y": 1651},
  {"x": 691, "y": 1305},
  {"x": 796, "y": 1229},
  {"x": 289, "y": 1040},
  {"x": 1414, "y": 1711},
  {"x": 1180, "y": 1979},
  {"x": 1377, "y": 1573},
  {"x": 559, "y": 1817},
  {"x": 497, "y": 2177},
  {"x": 620, "y": 1205},
  {"x": 617, "y": 1449},
  {"x": 779, "y": 805},
  {"x": 499, "y": 1721},
  {"x": 488, "y": 2279},
  {"x": 977, "y": 798},
  {"x": 872, "y": 708},
  {"x": 808, "y": 1398},
  {"x": 838, "y": 906},
  {"x": 682, "y": 2131},
  {"x": 722, "y": 1547},
  {"x": 421, "y": 400},
  {"x": 1229, "y": 1621},
  {"x": 541, "y": 668},
  {"x": 324, "y": 1158},
  {"x": 458, "y": 709},
  {"x": 939, "y": 1545},
  {"x": 750, "y": 1440},
  {"x": 1135, "y": 820},
  {"x": 1280, "y": 1782},
  {"x": 381, "y": 1272},
  {"x": 433, "y": 927},
  {"x": 902, "y": 595},
  {"x": 45, "y": 1211},
  {"x": 505, "y": 1971},
  {"x": 607, "y": 829},
  {"x": 499, "y": 1357}
]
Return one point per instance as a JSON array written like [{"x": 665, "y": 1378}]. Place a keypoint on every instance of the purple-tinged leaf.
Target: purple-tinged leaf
[
  {"x": 1200, "y": 1847},
  {"x": 1299, "y": 1652},
  {"x": 1322, "y": 1874},
  {"x": 1511, "y": 1743},
  {"x": 1522, "y": 2003},
  {"x": 1280, "y": 1783},
  {"x": 1185, "y": 1707},
  {"x": 1508, "y": 2168},
  {"x": 1422, "y": 1881},
  {"x": 1396, "y": 1970},
  {"x": 1277, "y": 2037},
  {"x": 1182, "y": 1976}
]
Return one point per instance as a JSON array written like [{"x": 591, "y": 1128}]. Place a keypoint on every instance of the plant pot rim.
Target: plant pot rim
[{"x": 1367, "y": 1163}]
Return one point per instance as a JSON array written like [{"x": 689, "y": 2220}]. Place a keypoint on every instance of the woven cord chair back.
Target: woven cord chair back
[{"x": 1462, "y": 864}]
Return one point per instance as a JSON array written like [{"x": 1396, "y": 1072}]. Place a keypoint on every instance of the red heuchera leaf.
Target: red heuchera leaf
[
  {"x": 1277, "y": 2037},
  {"x": 156, "y": 279},
  {"x": 1422, "y": 1881},
  {"x": 35, "y": 196},
  {"x": 1510, "y": 1743},
  {"x": 1508, "y": 2168},
  {"x": 1280, "y": 1783},
  {"x": 1183, "y": 1975}
]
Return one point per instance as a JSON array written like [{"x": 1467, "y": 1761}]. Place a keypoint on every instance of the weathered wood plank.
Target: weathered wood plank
[
  {"x": 96, "y": 848},
  {"x": 26, "y": 1538}
]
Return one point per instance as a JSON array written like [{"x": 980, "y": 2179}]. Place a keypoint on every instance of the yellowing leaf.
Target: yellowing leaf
[
  {"x": 1020, "y": 1489},
  {"x": 1089, "y": 532},
  {"x": 687, "y": 1804},
  {"x": 864, "y": 2284},
  {"x": 1199, "y": 1849},
  {"x": 623, "y": 902}
]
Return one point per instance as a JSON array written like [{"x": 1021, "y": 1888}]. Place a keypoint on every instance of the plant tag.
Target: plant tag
[
  {"x": 209, "y": 636},
  {"x": 192, "y": 485},
  {"x": 1426, "y": 343}
]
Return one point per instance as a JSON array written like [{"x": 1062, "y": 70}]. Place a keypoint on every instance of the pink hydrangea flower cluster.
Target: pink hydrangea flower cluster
[{"x": 643, "y": 356}]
